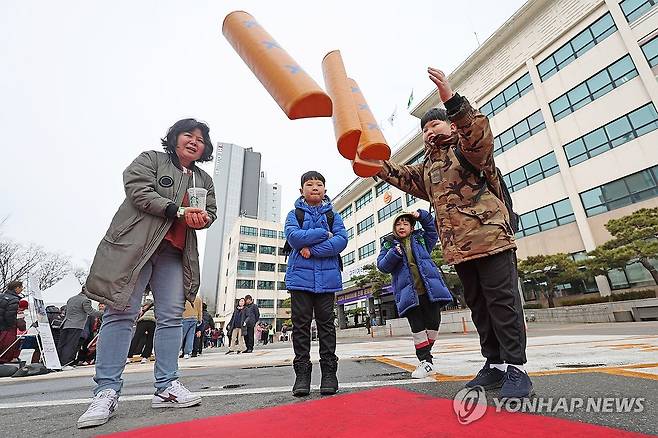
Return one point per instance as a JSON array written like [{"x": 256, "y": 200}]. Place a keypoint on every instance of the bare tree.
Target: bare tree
[
  {"x": 81, "y": 274},
  {"x": 17, "y": 261},
  {"x": 52, "y": 268}
]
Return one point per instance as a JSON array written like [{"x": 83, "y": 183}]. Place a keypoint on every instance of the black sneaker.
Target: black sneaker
[
  {"x": 517, "y": 384},
  {"x": 488, "y": 378},
  {"x": 329, "y": 382},
  {"x": 302, "y": 386}
]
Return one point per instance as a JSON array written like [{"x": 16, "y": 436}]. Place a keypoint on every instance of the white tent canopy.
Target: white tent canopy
[{"x": 60, "y": 292}]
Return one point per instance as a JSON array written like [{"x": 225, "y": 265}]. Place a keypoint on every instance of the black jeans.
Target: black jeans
[
  {"x": 304, "y": 305},
  {"x": 491, "y": 292},
  {"x": 69, "y": 344},
  {"x": 249, "y": 337},
  {"x": 424, "y": 320},
  {"x": 142, "y": 342}
]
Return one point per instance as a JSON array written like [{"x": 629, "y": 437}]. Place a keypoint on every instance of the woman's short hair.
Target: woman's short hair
[
  {"x": 13, "y": 285},
  {"x": 188, "y": 125}
]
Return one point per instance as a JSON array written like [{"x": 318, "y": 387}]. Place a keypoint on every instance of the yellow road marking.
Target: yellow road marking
[{"x": 623, "y": 370}]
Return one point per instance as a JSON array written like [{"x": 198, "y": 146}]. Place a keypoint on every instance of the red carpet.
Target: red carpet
[{"x": 385, "y": 412}]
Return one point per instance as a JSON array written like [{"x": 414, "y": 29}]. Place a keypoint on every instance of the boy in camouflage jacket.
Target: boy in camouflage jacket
[{"x": 475, "y": 231}]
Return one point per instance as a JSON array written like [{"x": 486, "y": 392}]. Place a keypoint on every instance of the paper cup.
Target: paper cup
[{"x": 197, "y": 196}]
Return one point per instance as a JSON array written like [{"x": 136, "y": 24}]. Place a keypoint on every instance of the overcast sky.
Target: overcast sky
[{"x": 85, "y": 86}]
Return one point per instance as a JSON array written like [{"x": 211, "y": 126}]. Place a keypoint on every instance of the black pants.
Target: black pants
[
  {"x": 424, "y": 320},
  {"x": 491, "y": 292},
  {"x": 304, "y": 306},
  {"x": 69, "y": 344},
  {"x": 249, "y": 337},
  {"x": 142, "y": 342}
]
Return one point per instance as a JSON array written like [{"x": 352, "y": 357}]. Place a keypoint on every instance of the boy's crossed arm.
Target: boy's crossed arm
[
  {"x": 299, "y": 238},
  {"x": 336, "y": 242}
]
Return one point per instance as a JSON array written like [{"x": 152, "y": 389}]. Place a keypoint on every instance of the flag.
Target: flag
[{"x": 411, "y": 99}]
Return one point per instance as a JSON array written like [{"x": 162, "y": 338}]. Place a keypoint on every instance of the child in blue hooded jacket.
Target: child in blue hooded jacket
[
  {"x": 317, "y": 236},
  {"x": 419, "y": 289}
]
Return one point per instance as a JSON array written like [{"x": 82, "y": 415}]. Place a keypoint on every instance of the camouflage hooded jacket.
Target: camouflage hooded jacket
[{"x": 469, "y": 228}]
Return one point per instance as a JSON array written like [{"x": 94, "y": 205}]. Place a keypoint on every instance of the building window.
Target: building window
[
  {"x": 283, "y": 267},
  {"x": 389, "y": 210},
  {"x": 264, "y": 232},
  {"x": 247, "y": 247},
  {"x": 545, "y": 218},
  {"x": 281, "y": 304},
  {"x": 350, "y": 233},
  {"x": 282, "y": 235},
  {"x": 281, "y": 252},
  {"x": 577, "y": 46},
  {"x": 363, "y": 200},
  {"x": 532, "y": 172},
  {"x": 508, "y": 96},
  {"x": 268, "y": 267},
  {"x": 596, "y": 86},
  {"x": 417, "y": 159},
  {"x": 367, "y": 250},
  {"x": 281, "y": 285},
  {"x": 634, "y": 9},
  {"x": 650, "y": 50},
  {"x": 248, "y": 231},
  {"x": 519, "y": 132},
  {"x": 348, "y": 258},
  {"x": 615, "y": 133},
  {"x": 411, "y": 199},
  {"x": 266, "y": 249},
  {"x": 347, "y": 212},
  {"x": 365, "y": 224},
  {"x": 265, "y": 285},
  {"x": 244, "y": 265},
  {"x": 381, "y": 188},
  {"x": 265, "y": 303},
  {"x": 628, "y": 190},
  {"x": 244, "y": 284}
]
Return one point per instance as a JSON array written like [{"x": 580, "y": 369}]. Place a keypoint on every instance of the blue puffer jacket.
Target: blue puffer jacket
[
  {"x": 391, "y": 261},
  {"x": 319, "y": 273}
]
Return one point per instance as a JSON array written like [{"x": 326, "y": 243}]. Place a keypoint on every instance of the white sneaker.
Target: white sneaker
[
  {"x": 187, "y": 356},
  {"x": 101, "y": 409},
  {"x": 423, "y": 370},
  {"x": 144, "y": 360},
  {"x": 175, "y": 396}
]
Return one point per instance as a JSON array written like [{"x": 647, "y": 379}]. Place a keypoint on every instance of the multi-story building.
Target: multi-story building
[
  {"x": 240, "y": 189},
  {"x": 253, "y": 265},
  {"x": 570, "y": 90},
  {"x": 269, "y": 200}
]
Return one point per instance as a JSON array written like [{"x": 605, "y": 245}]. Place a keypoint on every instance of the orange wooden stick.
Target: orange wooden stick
[
  {"x": 365, "y": 168},
  {"x": 298, "y": 95},
  {"x": 347, "y": 125},
  {"x": 372, "y": 144}
]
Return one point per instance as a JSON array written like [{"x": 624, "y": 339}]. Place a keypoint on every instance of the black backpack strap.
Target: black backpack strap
[
  {"x": 330, "y": 219},
  {"x": 463, "y": 161},
  {"x": 299, "y": 214}
]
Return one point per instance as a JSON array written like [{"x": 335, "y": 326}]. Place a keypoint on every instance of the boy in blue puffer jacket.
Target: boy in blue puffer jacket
[
  {"x": 317, "y": 236},
  {"x": 419, "y": 289}
]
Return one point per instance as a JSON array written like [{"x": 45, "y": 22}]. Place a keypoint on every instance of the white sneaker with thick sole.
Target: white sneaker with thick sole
[
  {"x": 144, "y": 360},
  {"x": 102, "y": 407},
  {"x": 187, "y": 356},
  {"x": 423, "y": 370},
  {"x": 175, "y": 396}
]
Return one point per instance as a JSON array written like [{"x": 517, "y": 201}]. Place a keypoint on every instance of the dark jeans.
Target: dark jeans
[
  {"x": 424, "y": 320},
  {"x": 491, "y": 292},
  {"x": 304, "y": 305},
  {"x": 249, "y": 337},
  {"x": 69, "y": 344},
  {"x": 142, "y": 342}
]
